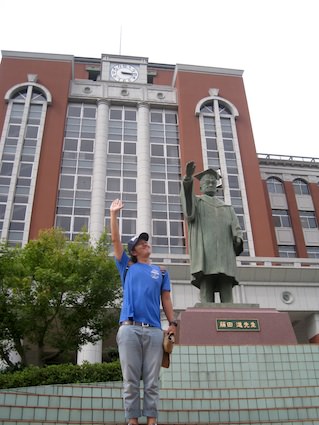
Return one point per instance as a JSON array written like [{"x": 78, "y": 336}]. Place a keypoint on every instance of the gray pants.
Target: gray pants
[{"x": 141, "y": 353}]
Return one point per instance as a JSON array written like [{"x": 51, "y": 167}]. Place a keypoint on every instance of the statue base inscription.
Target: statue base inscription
[{"x": 234, "y": 324}]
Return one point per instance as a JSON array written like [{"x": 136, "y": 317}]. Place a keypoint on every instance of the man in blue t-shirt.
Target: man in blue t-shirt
[{"x": 140, "y": 337}]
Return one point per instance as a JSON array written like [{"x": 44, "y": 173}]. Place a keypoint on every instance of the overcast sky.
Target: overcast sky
[{"x": 275, "y": 43}]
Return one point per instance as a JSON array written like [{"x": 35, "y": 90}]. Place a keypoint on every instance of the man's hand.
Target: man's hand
[
  {"x": 190, "y": 168},
  {"x": 116, "y": 206}
]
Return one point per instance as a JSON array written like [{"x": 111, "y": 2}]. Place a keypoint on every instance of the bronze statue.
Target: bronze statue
[{"x": 214, "y": 236}]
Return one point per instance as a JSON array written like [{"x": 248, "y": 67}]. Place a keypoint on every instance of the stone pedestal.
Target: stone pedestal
[{"x": 234, "y": 324}]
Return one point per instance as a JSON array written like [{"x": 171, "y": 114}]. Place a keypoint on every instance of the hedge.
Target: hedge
[{"x": 61, "y": 374}]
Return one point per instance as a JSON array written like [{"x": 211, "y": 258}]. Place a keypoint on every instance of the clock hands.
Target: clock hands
[{"x": 124, "y": 73}]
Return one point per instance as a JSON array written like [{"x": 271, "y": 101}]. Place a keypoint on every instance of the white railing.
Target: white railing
[
  {"x": 277, "y": 262},
  {"x": 243, "y": 261},
  {"x": 288, "y": 158}
]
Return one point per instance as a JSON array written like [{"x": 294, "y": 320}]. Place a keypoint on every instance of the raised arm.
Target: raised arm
[
  {"x": 189, "y": 170},
  {"x": 115, "y": 207}
]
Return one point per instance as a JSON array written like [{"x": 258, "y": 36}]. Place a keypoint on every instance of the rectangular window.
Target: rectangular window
[
  {"x": 156, "y": 117},
  {"x": 87, "y": 145},
  {"x": 176, "y": 229},
  {"x": 113, "y": 185},
  {"x": 115, "y": 114},
  {"x": 313, "y": 251},
  {"x": 159, "y": 228},
  {"x": 308, "y": 219},
  {"x": 25, "y": 170},
  {"x": 14, "y": 130},
  {"x": 172, "y": 151},
  {"x": 74, "y": 111},
  {"x": 129, "y": 148},
  {"x": 67, "y": 182},
  {"x": 129, "y": 115},
  {"x": 6, "y": 168},
  {"x": 2, "y": 211},
  {"x": 115, "y": 147},
  {"x": 174, "y": 187},
  {"x": 70, "y": 144},
  {"x": 80, "y": 224},
  {"x": 228, "y": 145},
  {"x": 288, "y": 251},
  {"x": 89, "y": 112},
  {"x": 170, "y": 118},
  {"x": 128, "y": 226},
  {"x": 84, "y": 182},
  {"x": 158, "y": 186},
  {"x": 281, "y": 218},
  {"x": 157, "y": 150},
  {"x": 32, "y": 132},
  {"x": 129, "y": 185},
  {"x": 64, "y": 223},
  {"x": 19, "y": 212}
]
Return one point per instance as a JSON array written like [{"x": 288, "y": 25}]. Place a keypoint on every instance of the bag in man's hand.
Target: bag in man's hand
[{"x": 168, "y": 344}]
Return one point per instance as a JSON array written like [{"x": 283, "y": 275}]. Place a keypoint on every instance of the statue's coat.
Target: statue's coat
[{"x": 212, "y": 226}]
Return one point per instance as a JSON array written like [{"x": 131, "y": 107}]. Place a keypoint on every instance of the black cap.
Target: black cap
[
  {"x": 133, "y": 241},
  {"x": 208, "y": 171}
]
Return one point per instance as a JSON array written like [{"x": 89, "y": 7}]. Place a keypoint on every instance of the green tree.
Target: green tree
[
  {"x": 56, "y": 293},
  {"x": 10, "y": 274}
]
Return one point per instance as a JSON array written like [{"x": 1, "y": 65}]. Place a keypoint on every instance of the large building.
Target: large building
[{"x": 78, "y": 132}]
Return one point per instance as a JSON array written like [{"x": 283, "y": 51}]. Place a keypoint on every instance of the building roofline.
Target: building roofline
[
  {"x": 206, "y": 70},
  {"x": 35, "y": 55},
  {"x": 161, "y": 65},
  {"x": 209, "y": 69}
]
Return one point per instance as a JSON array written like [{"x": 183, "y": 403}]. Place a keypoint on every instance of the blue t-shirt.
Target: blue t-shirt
[{"x": 142, "y": 291}]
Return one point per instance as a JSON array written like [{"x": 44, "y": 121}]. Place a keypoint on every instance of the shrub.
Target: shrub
[{"x": 61, "y": 374}]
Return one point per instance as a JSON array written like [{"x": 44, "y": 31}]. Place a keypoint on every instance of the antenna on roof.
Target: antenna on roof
[{"x": 120, "y": 40}]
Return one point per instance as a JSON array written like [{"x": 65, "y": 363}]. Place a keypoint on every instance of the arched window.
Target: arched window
[
  {"x": 274, "y": 185},
  {"x": 19, "y": 156},
  {"x": 219, "y": 142},
  {"x": 220, "y": 151},
  {"x": 301, "y": 187}
]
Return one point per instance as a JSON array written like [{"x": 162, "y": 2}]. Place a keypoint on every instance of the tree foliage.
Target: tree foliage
[{"x": 55, "y": 293}]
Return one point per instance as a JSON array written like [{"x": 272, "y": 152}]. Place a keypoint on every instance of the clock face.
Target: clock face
[{"x": 124, "y": 73}]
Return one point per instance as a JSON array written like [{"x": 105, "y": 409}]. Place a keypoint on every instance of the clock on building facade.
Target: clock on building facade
[{"x": 124, "y": 73}]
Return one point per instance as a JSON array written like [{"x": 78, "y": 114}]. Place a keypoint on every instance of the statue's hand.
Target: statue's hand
[
  {"x": 238, "y": 245},
  {"x": 190, "y": 168}
]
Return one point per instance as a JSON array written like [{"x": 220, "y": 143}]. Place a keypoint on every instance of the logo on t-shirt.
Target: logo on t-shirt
[{"x": 154, "y": 273}]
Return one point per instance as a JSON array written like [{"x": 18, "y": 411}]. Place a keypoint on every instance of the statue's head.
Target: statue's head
[{"x": 208, "y": 181}]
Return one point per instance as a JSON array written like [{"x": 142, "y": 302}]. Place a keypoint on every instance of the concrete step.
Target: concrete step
[
  {"x": 236, "y": 422},
  {"x": 216, "y": 385},
  {"x": 103, "y": 405}
]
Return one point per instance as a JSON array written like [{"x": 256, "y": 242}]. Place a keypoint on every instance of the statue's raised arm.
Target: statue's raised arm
[
  {"x": 190, "y": 169},
  {"x": 187, "y": 191}
]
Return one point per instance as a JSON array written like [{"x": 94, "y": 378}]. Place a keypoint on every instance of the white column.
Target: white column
[
  {"x": 313, "y": 328},
  {"x": 144, "y": 210},
  {"x": 14, "y": 356},
  {"x": 97, "y": 217},
  {"x": 92, "y": 353}
]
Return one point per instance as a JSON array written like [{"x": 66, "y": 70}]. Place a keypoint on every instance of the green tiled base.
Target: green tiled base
[{"x": 233, "y": 385}]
